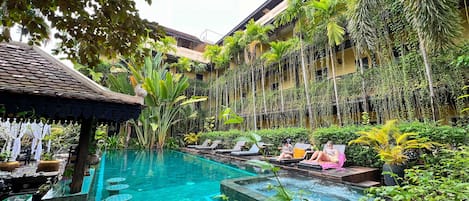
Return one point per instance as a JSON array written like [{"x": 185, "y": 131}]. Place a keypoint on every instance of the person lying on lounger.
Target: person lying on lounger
[
  {"x": 287, "y": 150},
  {"x": 330, "y": 154}
]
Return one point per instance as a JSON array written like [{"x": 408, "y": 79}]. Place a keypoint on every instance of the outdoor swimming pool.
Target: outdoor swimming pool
[{"x": 168, "y": 176}]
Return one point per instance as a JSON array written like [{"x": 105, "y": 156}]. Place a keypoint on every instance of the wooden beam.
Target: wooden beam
[{"x": 87, "y": 129}]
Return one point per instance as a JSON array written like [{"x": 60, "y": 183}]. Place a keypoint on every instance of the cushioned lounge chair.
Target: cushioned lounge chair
[
  {"x": 237, "y": 147},
  {"x": 213, "y": 146},
  {"x": 254, "y": 150},
  {"x": 326, "y": 165},
  {"x": 204, "y": 144},
  {"x": 299, "y": 153}
]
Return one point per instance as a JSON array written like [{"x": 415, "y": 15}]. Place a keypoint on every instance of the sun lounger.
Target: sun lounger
[
  {"x": 213, "y": 146},
  {"x": 204, "y": 144},
  {"x": 254, "y": 150},
  {"x": 299, "y": 152},
  {"x": 237, "y": 147},
  {"x": 326, "y": 165}
]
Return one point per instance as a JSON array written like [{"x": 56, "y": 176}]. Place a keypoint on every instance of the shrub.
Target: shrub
[
  {"x": 444, "y": 177},
  {"x": 274, "y": 136},
  {"x": 454, "y": 136}
]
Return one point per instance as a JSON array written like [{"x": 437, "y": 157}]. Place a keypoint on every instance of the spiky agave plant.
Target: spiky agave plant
[{"x": 391, "y": 144}]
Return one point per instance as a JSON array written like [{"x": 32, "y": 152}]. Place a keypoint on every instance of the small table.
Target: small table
[
  {"x": 266, "y": 148},
  {"x": 114, "y": 189},
  {"x": 115, "y": 180},
  {"x": 121, "y": 197}
]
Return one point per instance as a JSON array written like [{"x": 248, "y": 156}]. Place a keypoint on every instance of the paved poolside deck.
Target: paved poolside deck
[{"x": 354, "y": 175}]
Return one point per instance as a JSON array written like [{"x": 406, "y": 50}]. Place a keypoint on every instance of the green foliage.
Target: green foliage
[
  {"x": 228, "y": 116},
  {"x": 390, "y": 143},
  {"x": 172, "y": 143},
  {"x": 443, "y": 177},
  {"x": 209, "y": 124},
  {"x": 47, "y": 156},
  {"x": 274, "y": 136},
  {"x": 114, "y": 142},
  {"x": 365, "y": 118},
  {"x": 62, "y": 137},
  {"x": 444, "y": 134},
  {"x": 191, "y": 138},
  {"x": 86, "y": 29},
  {"x": 5, "y": 156}
]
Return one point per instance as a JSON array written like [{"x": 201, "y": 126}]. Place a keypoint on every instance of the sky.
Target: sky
[{"x": 196, "y": 16}]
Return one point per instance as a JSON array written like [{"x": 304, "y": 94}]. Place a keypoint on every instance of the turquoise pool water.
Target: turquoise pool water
[{"x": 168, "y": 176}]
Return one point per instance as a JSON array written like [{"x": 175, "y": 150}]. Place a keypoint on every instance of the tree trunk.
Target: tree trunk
[
  {"x": 216, "y": 99},
  {"x": 364, "y": 96},
  {"x": 263, "y": 89},
  {"x": 280, "y": 86},
  {"x": 428, "y": 71},
  {"x": 305, "y": 82},
  {"x": 253, "y": 87},
  {"x": 335, "y": 85}
]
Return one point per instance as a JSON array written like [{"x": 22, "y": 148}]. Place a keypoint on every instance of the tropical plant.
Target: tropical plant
[
  {"x": 298, "y": 12},
  {"x": 228, "y": 116},
  {"x": 328, "y": 15},
  {"x": 464, "y": 96},
  {"x": 184, "y": 64},
  {"x": 390, "y": 144},
  {"x": 254, "y": 35},
  {"x": 278, "y": 50},
  {"x": 5, "y": 156},
  {"x": 191, "y": 138},
  {"x": 165, "y": 45},
  {"x": 443, "y": 177}
]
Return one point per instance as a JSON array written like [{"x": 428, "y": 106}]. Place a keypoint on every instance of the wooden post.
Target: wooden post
[{"x": 86, "y": 131}]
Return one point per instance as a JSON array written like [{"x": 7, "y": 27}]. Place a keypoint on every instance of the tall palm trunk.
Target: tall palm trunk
[
  {"x": 280, "y": 83},
  {"x": 428, "y": 72},
  {"x": 305, "y": 82},
  {"x": 216, "y": 98},
  {"x": 362, "y": 74},
  {"x": 253, "y": 83},
  {"x": 263, "y": 89},
  {"x": 335, "y": 85}
]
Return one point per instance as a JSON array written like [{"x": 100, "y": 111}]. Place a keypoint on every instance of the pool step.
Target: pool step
[{"x": 367, "y": 184}]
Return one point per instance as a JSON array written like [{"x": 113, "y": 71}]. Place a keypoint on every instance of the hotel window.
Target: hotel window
[{"x": 321, "y": 74}]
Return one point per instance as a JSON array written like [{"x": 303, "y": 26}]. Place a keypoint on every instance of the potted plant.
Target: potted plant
[
  {"x": 392, "y": 146},
  {"x": 5, "y": 164},
  {"x": 48, "y": 163}
]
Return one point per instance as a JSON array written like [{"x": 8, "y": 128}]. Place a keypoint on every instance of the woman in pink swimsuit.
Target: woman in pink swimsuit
[{"x": 330, "y": 154}]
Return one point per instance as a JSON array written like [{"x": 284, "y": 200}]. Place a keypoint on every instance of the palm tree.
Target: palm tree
[
  {"x": 219, "y": 58},
  {"x": 437, "y": 24},
  {"x": 328, "y": 15},
  {"x": 184, "y": 64},
  {"x": 255, "y": 35},
  {"x": 298, "y": 12},
  {"x": 278, "y": 50},
  {"x": 166, "y": 45}
]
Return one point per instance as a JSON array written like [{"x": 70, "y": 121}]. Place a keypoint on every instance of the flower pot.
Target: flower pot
[
  {"x": 9, "y": 166},
  {"x": 398, "y": 170},
  {"x": 48, "y": 166}
]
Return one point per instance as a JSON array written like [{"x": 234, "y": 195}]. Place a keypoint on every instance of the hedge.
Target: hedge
[{"x": 356, "y": 154}]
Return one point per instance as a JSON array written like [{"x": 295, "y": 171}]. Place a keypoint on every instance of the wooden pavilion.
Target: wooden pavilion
[{"x": 31, "y": 80}]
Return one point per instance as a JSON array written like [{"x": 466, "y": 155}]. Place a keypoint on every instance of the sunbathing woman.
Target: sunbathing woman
[
  {"x": 330, "y": 154},
  {"x": 287, "y": 150}
]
